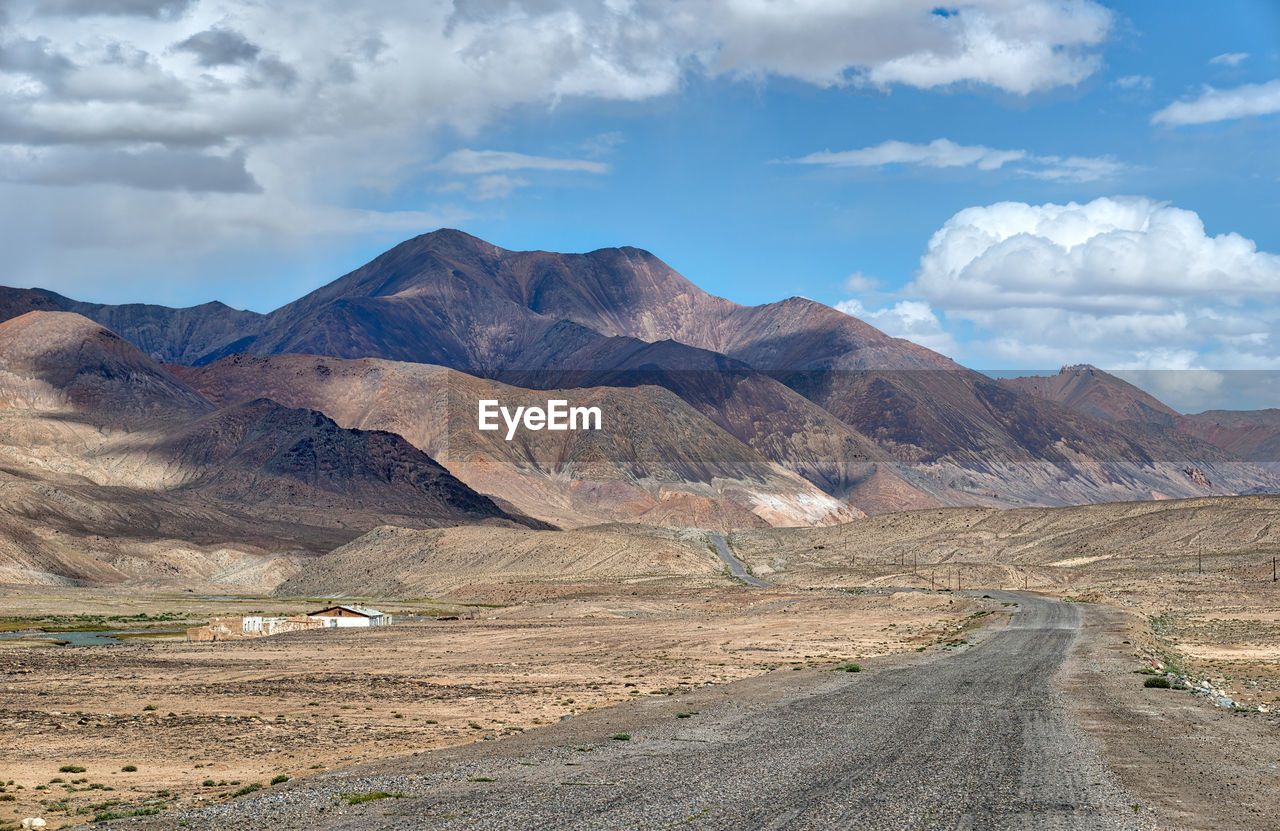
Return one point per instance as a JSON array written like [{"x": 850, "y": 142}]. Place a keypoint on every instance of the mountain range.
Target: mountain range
[{"x": 355, "y": 406}]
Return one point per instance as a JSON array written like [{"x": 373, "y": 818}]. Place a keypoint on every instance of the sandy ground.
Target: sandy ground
[
  {"x": 1197, "y": 766},
  {"x": 200, "y": 721}
]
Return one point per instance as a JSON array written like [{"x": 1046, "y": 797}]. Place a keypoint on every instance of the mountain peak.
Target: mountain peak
[
  {"x": 76, "y": 362},
  {"x": 1095, "y": 392}
]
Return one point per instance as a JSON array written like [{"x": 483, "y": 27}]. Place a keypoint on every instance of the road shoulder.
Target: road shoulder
[{"x": 1194, "y": 765}]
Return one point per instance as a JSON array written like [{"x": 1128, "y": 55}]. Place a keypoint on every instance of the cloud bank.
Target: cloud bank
[{"x": 1121, "y": 282}]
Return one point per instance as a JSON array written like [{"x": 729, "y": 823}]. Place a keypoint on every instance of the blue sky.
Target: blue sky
[{"x": 905, "y": 161}]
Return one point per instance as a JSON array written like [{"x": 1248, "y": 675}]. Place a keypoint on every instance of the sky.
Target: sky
[{"x": 1019, "y": 184}]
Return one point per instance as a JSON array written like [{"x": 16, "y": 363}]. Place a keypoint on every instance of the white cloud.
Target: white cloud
[
  {"x": 1222, "y": 105},
  {"x": 859, "y": 282},
  {"x": 912, "y": 320},
  {"x": 496, "y": 186},
  {"x": 325, "y": 100},
  {"x": 494, "y": 161},
  {"x": 944, "y": 153},
  {"x": 1229, "y": 58},
  {"x": 1134, "y": 82},
  {"x": 937, "y": 153},
  {"x": 1120, "y": 282}
]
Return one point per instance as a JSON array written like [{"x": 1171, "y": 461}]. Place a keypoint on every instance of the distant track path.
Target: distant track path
[
  {"x": 736, "y": 568},
  {"x": 974, "y": 739}
]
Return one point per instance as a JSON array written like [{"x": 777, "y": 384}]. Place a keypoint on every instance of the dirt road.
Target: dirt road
[
  {"x": 736, "y": 568},
  {"x": 968, "y": 739}
]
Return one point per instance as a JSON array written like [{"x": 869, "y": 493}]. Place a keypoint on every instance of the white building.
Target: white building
[{"x": 351, "y": 616}]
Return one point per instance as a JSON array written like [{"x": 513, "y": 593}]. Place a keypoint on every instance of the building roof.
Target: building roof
[{"x": 363, "y": 611}]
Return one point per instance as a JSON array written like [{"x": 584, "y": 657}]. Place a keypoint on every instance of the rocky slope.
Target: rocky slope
[
  {"x": 655, "y": 460},
  {"x": 1091, "y": 391},
  {"x": 112, "y": 468},
  {"x": 877, "y": 421},
  {"x": 399, "y": 562},
  {"x": 1250, "y": 435},
  {"x": 56, "y": 360}
]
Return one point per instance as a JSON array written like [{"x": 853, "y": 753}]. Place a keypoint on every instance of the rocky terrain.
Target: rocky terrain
[
  {"x": 1252, "y": 435},
  {"x": 655, "y": 459},
  {"x": 113, "y": 469},
  {"x": 877, "y": 422},
  {"x": 496, "y": 563}
]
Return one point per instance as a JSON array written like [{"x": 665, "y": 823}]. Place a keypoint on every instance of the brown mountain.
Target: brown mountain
[
  {"x": 1089, "y": 390},
  {"x": 860, "y": 414},
  {"x": 114, "y": 469},
  {"x": 52, "y": 360},
  {"x": 1250, "y": 434},
  {"x": 655, "y": 460}
]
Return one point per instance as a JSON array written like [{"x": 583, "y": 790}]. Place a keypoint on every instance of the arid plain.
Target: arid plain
[{"x": 1187, "y": 585}]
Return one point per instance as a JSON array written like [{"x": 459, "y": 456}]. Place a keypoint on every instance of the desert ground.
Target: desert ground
[
  {"x": 1175, "y": 589},
  {"x": 200, "y": 721}
]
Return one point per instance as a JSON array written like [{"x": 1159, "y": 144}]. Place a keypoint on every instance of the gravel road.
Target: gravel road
[
  {"x": 975, "y": 738},
  {"x": 736, "y": 568}
]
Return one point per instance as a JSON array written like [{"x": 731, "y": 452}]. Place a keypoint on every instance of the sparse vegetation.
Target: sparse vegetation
[
  {"x": 1157, "y": 682},
  {"x": 621, "y": 737},
  {"x": 361, "y": 798},
  {"x": 71, "y": 769},
  {"x": 281, "y": 778},
  {"x": 144, "y": 811},
  {"x": 247, "y": 789}
]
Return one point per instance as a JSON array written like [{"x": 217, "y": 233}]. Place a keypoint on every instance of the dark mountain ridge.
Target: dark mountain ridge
[{"x": 783, "y": 378}]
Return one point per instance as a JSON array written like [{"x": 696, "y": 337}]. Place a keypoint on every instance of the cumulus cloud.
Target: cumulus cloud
[
  {"x": 912, "y": 320},
  {"x": 1125, "y": 282},
  {"x": 1223, "y": 105},
  {"x": 1018, "y": 47},
  {"x": 1229, "y": 58},
  {"x": 943, "y": 153}
]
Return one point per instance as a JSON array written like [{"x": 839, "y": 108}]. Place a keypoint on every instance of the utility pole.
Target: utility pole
[
  {"x": 1200, "y": 560},
  {"x": 1273, "y": 569},
  {"x": 1026, "y": 581}
]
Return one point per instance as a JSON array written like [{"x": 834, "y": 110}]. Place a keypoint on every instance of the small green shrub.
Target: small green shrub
[
  {"x": 360, "y": 798},
  {"x": 248, "y": 789},
  {"x": 71, "y": 769},
  {"x": 209, "y": 783},
  {"x": 849, "y": 668},
  {"x": 621, "y": 737},
  {"x": 129, "y": 768},
  {"x": 276, "y": 780},
  {"x": 1158, "y": 682}
]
